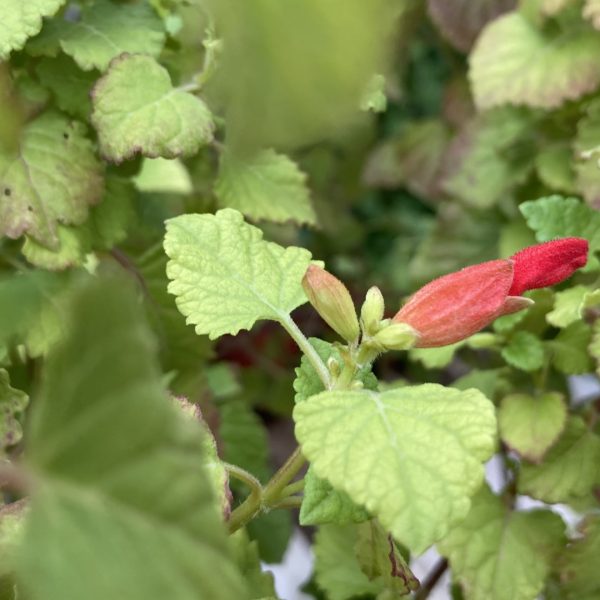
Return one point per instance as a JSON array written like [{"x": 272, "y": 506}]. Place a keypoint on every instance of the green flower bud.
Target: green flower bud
[
  {"x": 371, "y": 312},
  {"x": 331, "y": 299},
  {"x": 397, "y": 336}
]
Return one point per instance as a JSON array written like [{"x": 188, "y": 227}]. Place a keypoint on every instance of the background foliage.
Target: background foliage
[{"x": 395, "y": 140}]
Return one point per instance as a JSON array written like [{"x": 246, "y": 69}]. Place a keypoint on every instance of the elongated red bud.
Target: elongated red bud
[
  {"x": 456, "y": 306},
  {"x": 332, "y": 300},
  {"x": 546, "y": 264}
]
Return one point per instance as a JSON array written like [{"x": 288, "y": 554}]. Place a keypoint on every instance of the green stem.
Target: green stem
[
  {"x": 292, "y": 488},
  {"x": 273, "y": 489},
  {"x": 308, "y": 350},
  {"x": 289, "y": 502},
  {"x": 251, "y": 506}
]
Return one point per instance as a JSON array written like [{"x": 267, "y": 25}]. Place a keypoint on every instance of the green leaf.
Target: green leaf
[
  {"x": 70, "y": 85},
  {"x": 12, "y": 402},
  {"x": 555, "y": 216},
  {"x": 591, "y": 12},
  {"x": 266, "y": 186},
  {"x": 568, "y": 306},
  {"x": 21, "y": 20},
  {"x": 569, "y": 469},
  {"x": 107, "y": 30},
  {"x": 337, "y": 568},
  {"x": 513, "y": 62},
  {"x": 532, "y": 424},
  {"x": 569, "y": 349},
  {"x": 460, "y": 21},
  {"x": 491, "y": 382},
  {"x": 477, "y": 167},
  {"x": 322, "y": 504},
  {"x": 586, "y": 146},
  {"x": 379, "y": 557},
  {"x": 498, "y": 554},
  {"x": 594, "y": 346},
  {"x": 578, "y": 567},
  {"x": 258, "y": 582},
  {"x": 136, "y": 110},
  {"x": 38, "y": 192},
  {"x": 300, "y": 69},
  {"x": 435, "y": 358},
  {"x": 272, "y": 532},
  {"x": 12, "y": 519},
  {"x": 524, "y": 351},
  {"x": 308, "y": 383},
  {"x": 226, "y": 277},
  {"x": 121, "y": 495},
  {"x": 382, "y": 449},
  {"x": 554, "y": 167},
  {"x": 163, "y": 175},
  {"x": 374, "y": 97}
]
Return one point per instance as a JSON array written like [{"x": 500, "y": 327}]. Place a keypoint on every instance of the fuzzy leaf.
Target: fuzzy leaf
[
  {"x": 107, "y": 30},
  {"x": 496, "y": 554},
  {"x": 266, "y": 186},
  {"x": 460, "y": 21},
  {"x": 569, "y": 469},
  {"x": 53, "y": 178},
  {"x": 579, "y": 573},
  {"x": 383, "y": 450},
  {"x": 322, "y": 504},
  {"x": 145, "y": 494},
  {"x": 226, "y": 277},
  {"x": 568, "y": 305},
  {"x": 21, "y": 20},
  {"x": 524, "y": 351},
  {"x": 136, "y": 110},
  {"x": 435, "y": 358},
  {"x": 12, "y": 402},
  {"x": 532, "y": 424},
  {"x": 513, "y": 62}
]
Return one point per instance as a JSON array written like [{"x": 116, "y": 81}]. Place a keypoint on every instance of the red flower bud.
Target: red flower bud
[
  {"x": 456, "y": 306},
  {"x": 546, "y": 264}
]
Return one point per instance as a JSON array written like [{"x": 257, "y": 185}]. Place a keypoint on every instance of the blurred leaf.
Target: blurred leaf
[
  {"x": 137, "y": 111},
  {"x": 226, "y": 277},
  {"x": 70, "y": 85},
  {"x": 587, "y": 144},
  {"x": 12, "y": 519},
  {"x": 12, "y": 403},
  {"x": 300, "y": 69},
  {"x": 460, "y": 21},
  {"x": 120, "y": 495},
  {"x": 554, "y": 166},
  {"x": 569, "y": 349},
  {"x": 336, "y": 565},
  {"x": 491, "y": 382},
  {"x": 578, "y": 567},
  {"x": 322, "y": 504},
  {"x": 267, "y": 186},
  {"x": 163, "y": 175},
  {"x": 107, "y": 30},
  {"x": 435, "y": 358},
  {"x": 530, "y": 425},
  {"x": 524, "y": 351},
  {"x": 20, "y": 21},
  {"x": 477, "y": 167},
  {"x": 258, "y": 582},
  {"x": 38, "y": 192},
  {"x": 569, "y": 469},
  {"x": 516, "y": 63},
  {"x": 591, "y": 12},
  {"x": 272, "y": 532},
  {"x": 499, "y": 554},
  {"x": 380, "y": 448},
  {"x": 374, "y": 97},
  {"x": 568, "y": 305}
]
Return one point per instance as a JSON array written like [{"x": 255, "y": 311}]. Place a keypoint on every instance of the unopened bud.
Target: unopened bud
[
  {"x": 331, "y": 299},
  {"x": 372, "y": 309},
  {"x": 397, "y": 336},
  {"x": 333, "y": 366},
  {"x": 357, "y": 385}
]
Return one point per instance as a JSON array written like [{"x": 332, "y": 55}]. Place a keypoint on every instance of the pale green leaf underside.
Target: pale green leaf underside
[
  {"x": 38, "y": 192},
  {"x": 136, "y": 110},
  {"x": 569, "y": 469},
  {"x": 515, "y": 63},
  {"x": 568, "y": 305},
  {"x": 412, "y": 456},
  {"x": 107, "y": 30},
  {"x": 225, "y": 277},
  {"x": 531, "y": 424},
  {"x": 266, "y": 186},
  {"x": 21, "y": 19},
  {"x": 143, "y": 495},
  {"x": 497, "y": 555}
]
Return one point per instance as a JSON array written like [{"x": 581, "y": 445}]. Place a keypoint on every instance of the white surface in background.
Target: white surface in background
[{"x": 294, "y": 570}]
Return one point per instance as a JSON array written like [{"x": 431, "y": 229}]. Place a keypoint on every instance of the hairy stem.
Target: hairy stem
[
  {"x": 306, "y": 347},
  {"x": 273, "y": 490},
  {"x": 289, "y": 502},
  {"x": 251, "y": 505},
  {"x": 292, "y": 488}
]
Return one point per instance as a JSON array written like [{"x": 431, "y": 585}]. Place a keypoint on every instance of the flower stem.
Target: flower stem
[
  {"x": 273, "y": 490},
  {"x": 308, "y": 350},
  {"x": 252, "y": 505}
]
